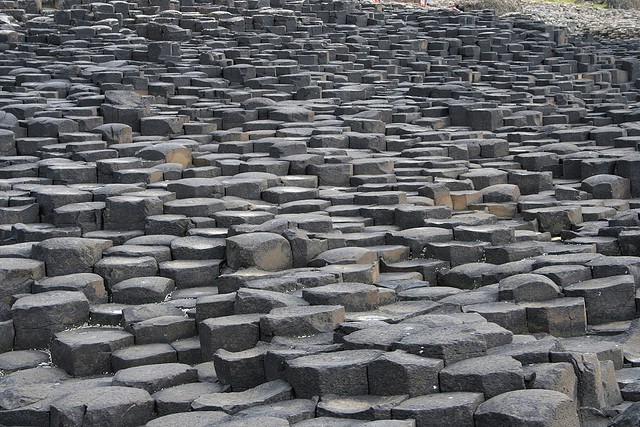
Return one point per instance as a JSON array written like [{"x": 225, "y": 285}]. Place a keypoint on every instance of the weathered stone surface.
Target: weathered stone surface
[
  {"x": 490, "y": 375},
  {"x": 450, "y": 409},
  {"x": 155, "y": 377},
  {"x": 449, "y": 344},
  {"x": 163, "y": 329},
  {"x": 267, "y": 251},
  {"x": 140, "y": 355},
  {"x": 369, "y": 408},
  {"x": 398, "y": 372},
  {"x": 554, "y": 376},
  {"x": 88, "y": 351},
  {"x": 628, "y": 417},
  {"x": 102, "y": 405},
  {"x": 607, "y": 299},
  {"x": 22, "y": 359},
  {"x": 527, "y": 287},
  {"x": 196, "y": 419},
  {"x": 241, "y": 370},
  {"x": 343, "y": 373},
  {"x": 36, "y": 318},
  {"x": 294, "y": 410},
  {"x": 301, "y": 321},
  {"x": 18, "y": 276},
  {"x": 117, "y": 269},
  {"x": 352, "y": 296},
  {"x": 588, "y": 370},
  {"x": 178, "y": 399},
  {"x": 142, "y": 290},
  {"x": 237, "y": 186},
  {"x": 521, "y": 407},
  {"x": 231, "y": 333},
  {"x": 560, "y": 317},
  {"x": 68, "y": 255},
  {"x": 90, "y": 284},
  {"x": 231, "y": 403}
]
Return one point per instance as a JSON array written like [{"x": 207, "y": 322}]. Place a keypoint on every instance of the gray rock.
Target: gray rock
[
  {"x": 267, "y": 251},
  {"x": 142, "y": 354},
  {"x": 87, "y": 351},
  {"x": 102, "y": 405},
  {"x": 195, "y": 419},
  {"x": 343, "y": 373},
  {"x": 449, "y": 409},
  {"x": 241, "y": 370},
  {"x": 301, "y": 321},
  {"x": 18, "y": 276},
  {"x": 22, "y": 359},
  {"x": 231, "y": 403},
  {"x": 521, "y": 407},
  {"x": 527, "y": 287},
  {"x": 163, "y": 329},
  {"x": 232, "y": 333},
  {"x": 153, "y": 378},
  {"x": 142, "y": 290},
  {"x": 178, "y": 399},
  {"x": 36, "y": 318},
  {"x": 90, "y": 284},
  {"x": 554, "y": 376},
  {"x": 397, "y": 372},
  {"x": 294, "y": 410},
  {"x": 369, "y": 408},
  {"x": 617, "y": 291},
  {"x": 490, "y": 375}
]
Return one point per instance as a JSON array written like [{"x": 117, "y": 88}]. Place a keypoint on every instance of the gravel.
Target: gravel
[
  {"x": 587, "y": 19},
  {"x": 579, "y": 18}
]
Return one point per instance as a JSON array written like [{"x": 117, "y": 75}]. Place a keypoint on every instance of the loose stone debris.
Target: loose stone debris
[{"x": 315, "y": 213}]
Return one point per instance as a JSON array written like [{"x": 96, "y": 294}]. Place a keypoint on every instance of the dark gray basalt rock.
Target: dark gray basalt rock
[{"x": 340, "y": 213}]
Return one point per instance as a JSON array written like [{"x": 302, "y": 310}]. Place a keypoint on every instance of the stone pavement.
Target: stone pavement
[{"x": 315, "y": 213}]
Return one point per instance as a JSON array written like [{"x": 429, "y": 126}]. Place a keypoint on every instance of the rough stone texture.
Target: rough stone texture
[
  {"x": 102, "y": 405},
  {"x": 416, "y": 208},
  {"x": 153, "y": 378},
  {"x": 36, "y": 318},
  {"x": 449, "y": 409},
  {"x": 528, "y": 407},
  {"x": 342, "y": 373},
  {"x": 88, "y": 351},
  {"x": 490, "y": 375},
  {"x": 266, "y": 251}
]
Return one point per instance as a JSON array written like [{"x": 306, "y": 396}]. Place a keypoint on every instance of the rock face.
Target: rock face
[{"x": 274, "y": 212}]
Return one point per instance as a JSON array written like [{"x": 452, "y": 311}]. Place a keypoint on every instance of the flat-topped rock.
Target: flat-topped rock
[
  {"x": 38, "y": 317},
  {"x": 153, "y": 378},
  {"x": 343, "y": 373},
  {"x": 19, "y": 275},
  {"x": 267, "y": 251},
  {"x": 97, "y": 405},
  {"x": 450, "y": 409},
  {"x": 403, "y": 212},
  {"x": 546, "y": 407},
  {"x": 231, "y": 403}
]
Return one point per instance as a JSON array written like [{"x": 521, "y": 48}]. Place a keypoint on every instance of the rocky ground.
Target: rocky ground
[
  {"x": 241, "y": 213},
  {"x": 585, "y": 18}
]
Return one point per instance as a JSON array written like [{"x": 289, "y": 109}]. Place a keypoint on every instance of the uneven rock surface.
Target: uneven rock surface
[{"x": 279, "y": 212}]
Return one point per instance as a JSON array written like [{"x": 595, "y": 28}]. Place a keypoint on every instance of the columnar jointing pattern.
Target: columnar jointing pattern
[{"x": 314, "y": 213}]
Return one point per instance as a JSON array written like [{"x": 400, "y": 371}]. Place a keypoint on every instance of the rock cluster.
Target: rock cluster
[{"x": 318, "y": 213}]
